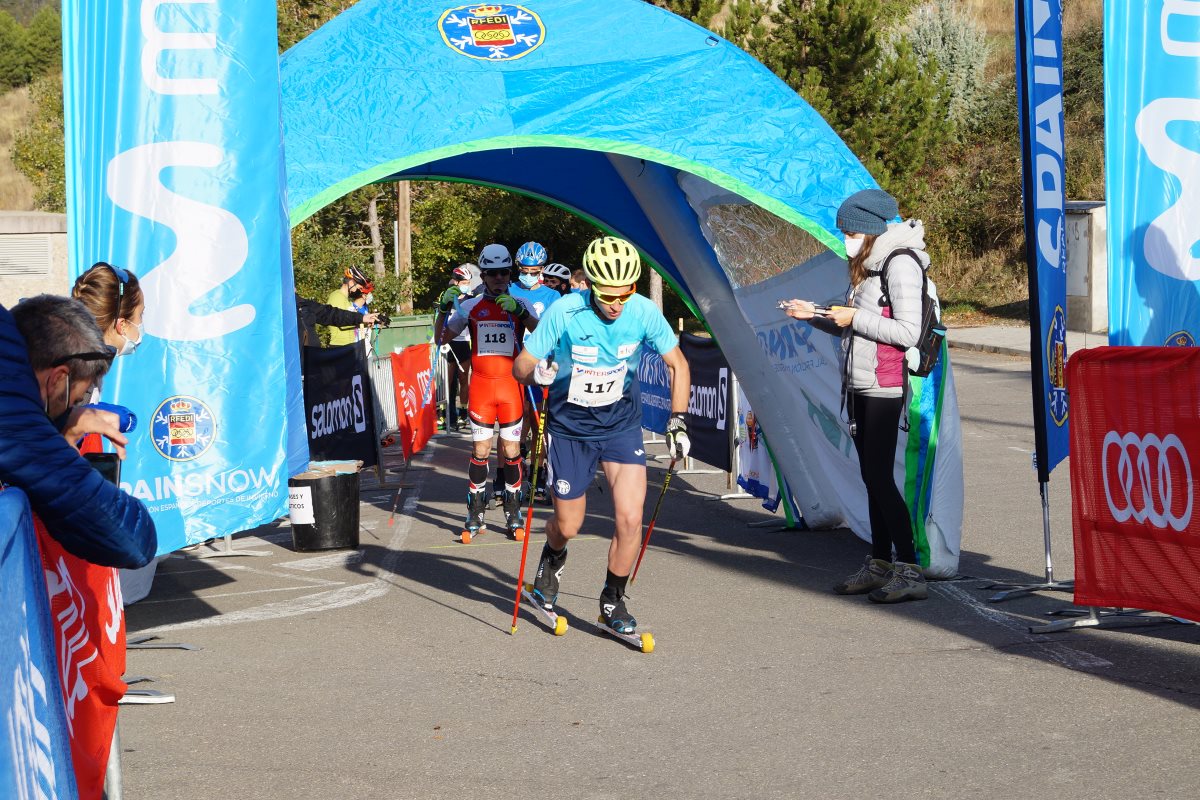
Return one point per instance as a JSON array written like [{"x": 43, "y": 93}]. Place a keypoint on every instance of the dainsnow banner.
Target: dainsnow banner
[
  {"x": 175, "y": 171},
  {"x": 1152, "y": 107},
  {"x": 1040, "y": 109},
  {"x": 928, "y": 457}
]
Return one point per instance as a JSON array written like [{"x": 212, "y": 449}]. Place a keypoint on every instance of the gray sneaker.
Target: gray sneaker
[
  {"x": 871, "y": 575},
  {"x": 905, "y": 582}
]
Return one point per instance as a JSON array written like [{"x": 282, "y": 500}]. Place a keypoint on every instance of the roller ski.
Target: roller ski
[
  {"x": 514, "y": 520},
  {"x": 556, "y": 621},
  {"x": 476, "y": 505},
  {"x": 616, "y": 621}
]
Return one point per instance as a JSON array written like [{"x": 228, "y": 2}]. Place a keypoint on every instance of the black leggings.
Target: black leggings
[{"x": 878, "y": 420}]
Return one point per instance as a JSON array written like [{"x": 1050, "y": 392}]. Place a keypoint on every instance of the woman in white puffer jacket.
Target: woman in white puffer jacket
[{"x": 875, "y": 336}]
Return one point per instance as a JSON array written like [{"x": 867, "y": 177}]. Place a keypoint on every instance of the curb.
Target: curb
[{"x": 980, "y": 347}]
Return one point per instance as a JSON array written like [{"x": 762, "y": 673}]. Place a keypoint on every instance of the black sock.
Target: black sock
[
  {"x": 614, "y": 586},
  {"x": 512, "y": 474},
  {"x": 477, "y": 473}
]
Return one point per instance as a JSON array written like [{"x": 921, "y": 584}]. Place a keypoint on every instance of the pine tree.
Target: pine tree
[
  {"x": 43, "y": 43},
  {"x": 889, "y": 112},
  {"x": 14, "y": 69},
  {"x": 744, "y": 26}
]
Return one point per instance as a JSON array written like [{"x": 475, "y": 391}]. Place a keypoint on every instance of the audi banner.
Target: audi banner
[
  {"x": 1133, "y": 487},
  {"x": 708, "y": 402},
  {"x": 337, "y": 391}
]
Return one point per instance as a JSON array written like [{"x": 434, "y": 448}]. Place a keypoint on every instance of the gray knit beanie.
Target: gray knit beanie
[{"x": 867, "y": 211}]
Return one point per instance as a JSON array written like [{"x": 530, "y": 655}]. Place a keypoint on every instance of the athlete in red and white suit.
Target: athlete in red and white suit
[{"x": 497, "y": 323}]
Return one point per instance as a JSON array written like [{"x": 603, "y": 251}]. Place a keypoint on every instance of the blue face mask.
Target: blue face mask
[{"x": 528, "y": 281}]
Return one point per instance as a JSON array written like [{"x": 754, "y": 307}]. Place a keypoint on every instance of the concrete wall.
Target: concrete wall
[
  {"x": 1087, "y": 266},
  {"x": 33, "y": 255}
]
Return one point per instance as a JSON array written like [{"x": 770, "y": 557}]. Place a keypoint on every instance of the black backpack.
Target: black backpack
[{"x": 933, "y": 332}]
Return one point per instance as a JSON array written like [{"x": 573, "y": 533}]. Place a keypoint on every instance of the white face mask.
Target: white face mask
[
  {"x": 853, "y": 246},
  {"x": 130, "y": 344},
  {"x": 367, "y": 298}
]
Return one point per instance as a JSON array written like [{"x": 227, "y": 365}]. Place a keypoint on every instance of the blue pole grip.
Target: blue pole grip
[{"x": 128, "y": 420}]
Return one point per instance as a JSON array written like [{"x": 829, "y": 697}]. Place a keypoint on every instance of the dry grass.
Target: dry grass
[
  {"x": 996, "y": 16},
  {"x": 16, "y": 192}
]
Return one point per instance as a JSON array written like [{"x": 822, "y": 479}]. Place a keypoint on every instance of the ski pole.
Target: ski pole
[
  {"x": 654, "y": 517},
  {"x": 537, "y": 458}
]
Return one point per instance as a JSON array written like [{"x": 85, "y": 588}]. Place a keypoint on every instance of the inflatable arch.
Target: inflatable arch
[{"x": 632, "y": 118}]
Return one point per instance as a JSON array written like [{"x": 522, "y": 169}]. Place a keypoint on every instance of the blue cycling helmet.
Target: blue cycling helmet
[{"x": 531, "y": 254}]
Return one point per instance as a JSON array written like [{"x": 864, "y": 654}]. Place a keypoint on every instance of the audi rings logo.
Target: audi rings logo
[{"x": 1153, "y": 475}]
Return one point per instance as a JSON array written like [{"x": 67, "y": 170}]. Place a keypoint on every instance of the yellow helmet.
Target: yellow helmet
[{"x": 610, "y": 261}]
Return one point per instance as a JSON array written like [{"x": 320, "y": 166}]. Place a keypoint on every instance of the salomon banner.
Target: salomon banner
[
  {"x": 1040, "y": 109},
  {"x": 1133, "y": 486},
  {"x": 174, "y": 166},
  {"x": 654, "y": 380},
  {"x": 337, "y": 399},
  {"x": 708, "y": 405},
  {"x": 35, "y": 755},
  {"x": 1152, "y": 160},
  {"x": 416, "y": 400}
]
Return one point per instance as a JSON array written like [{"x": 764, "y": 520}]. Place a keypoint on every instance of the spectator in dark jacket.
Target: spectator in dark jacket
[
  {"x": 89, "y": 516},
  {"x": 311, "y": 314}
]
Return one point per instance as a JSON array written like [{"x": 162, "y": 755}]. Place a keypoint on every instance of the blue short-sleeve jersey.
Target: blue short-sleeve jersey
[
  {"x": 596, "y": 394},
  {"x": 538, "y": 298}
]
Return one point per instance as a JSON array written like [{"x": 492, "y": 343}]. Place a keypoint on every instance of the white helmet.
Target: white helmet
[
  {"x": 610, "y": 261},
  {"x": 495, "y": 256},
  {"x": 557, "y": 271}
]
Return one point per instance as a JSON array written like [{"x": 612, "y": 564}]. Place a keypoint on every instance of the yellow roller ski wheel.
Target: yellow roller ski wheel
[
  {"x": 560, "y": 626},
  {"x": 647, "y": 643}
]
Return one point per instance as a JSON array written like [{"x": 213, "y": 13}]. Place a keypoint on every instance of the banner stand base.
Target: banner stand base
[
  {"x": 229, "y": 551},
  {"x": 734, "y": 496},
  {"x": 1096, "y": 618},
  {"x": 1012, "y": 590}
]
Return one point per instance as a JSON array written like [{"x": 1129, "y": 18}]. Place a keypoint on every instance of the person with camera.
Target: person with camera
[
  {"x": 350, "y": 296},
  {"x": 877, "y": 325}
]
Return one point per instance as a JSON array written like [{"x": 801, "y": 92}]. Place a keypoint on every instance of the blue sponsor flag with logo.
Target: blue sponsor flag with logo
[
  {"x": 1040, "y": 108},
  {"x": 35, "y": 748},
  {"x": 655, "y": 382},
  {"x": 1152, "y": 156},
  {"x": 175, "y": 171}
]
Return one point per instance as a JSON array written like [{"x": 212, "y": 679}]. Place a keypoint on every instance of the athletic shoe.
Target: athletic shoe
[
  {"x": 512, "y": 509},
  {"x": 476, "y": 503},
  {"x": 549, "y": 573},
  {"x": 616, "y": 616},
  {"x": 870, "y": 576},
  {"x": 905, "y": 582}
]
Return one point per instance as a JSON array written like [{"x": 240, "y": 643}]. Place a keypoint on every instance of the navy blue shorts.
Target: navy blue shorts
[{"x": 572, "y": 462}]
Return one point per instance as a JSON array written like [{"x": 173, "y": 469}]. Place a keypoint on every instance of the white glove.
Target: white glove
[
  {"x": 678, "y": 443},
  {"x": 545, "y": 372}
]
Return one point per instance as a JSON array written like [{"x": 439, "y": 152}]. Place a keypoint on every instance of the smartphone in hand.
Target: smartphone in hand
[{"x": 107, "y": 464}]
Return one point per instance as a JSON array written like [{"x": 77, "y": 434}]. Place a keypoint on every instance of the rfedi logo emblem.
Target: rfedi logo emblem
[
  {"x": 1152, "y": 473},
  {"x": 337, "y": 415}
]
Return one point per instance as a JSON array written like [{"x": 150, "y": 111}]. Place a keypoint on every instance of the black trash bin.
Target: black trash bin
[{"x": 323, "y": 505}]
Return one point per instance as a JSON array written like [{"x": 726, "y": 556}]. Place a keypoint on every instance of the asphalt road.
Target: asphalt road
[{"x": 390, "y": 672}]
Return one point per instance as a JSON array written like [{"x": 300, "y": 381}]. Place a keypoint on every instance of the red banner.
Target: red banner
[
  {"x": 89, "y": 629},
  {"x": 1133, "y": 488},
  {"x": 416, "y": 400}
]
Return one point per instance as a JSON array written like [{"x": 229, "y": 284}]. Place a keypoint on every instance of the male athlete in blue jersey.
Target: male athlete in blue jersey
[{"x": 586, "y": 349}]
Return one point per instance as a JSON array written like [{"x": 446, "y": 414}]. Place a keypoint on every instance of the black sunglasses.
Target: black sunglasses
[
  {"x": 499, "y": 273},
  {"x": 107, "y": 354}
]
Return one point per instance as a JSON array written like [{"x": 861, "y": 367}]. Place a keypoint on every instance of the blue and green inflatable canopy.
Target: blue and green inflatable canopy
[
  {"x": 616, "y": 111},
  {"x": 542, "y": 99}
]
